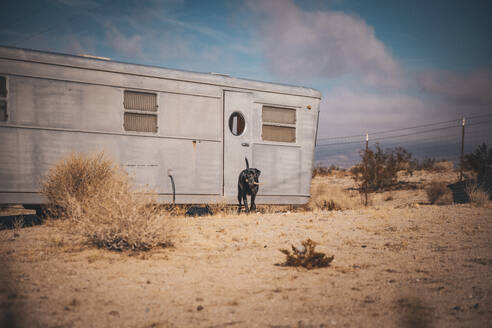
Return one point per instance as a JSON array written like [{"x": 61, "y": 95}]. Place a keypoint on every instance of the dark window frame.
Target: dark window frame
[{"x": 4, "y": 92}]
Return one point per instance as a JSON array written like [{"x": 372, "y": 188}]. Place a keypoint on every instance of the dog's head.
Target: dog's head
[{"x": 251, "y": 177}]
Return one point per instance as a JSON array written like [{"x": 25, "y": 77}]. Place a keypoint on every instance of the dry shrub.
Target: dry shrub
[
  {"x": 222, "y": 209},
  {"x": 477, "y": 195},
  {"x": 98, "y": 198},
  {"x": 378, "y": 169},
  {"x": 332, "y": 170},
  {"x": 306, "y": 257},
  {"x": 443, "y": 166},
  {"x": 438, "y": 193},
  {"x": 326, "y": 197},
  {"x": 174, "y": 209}
]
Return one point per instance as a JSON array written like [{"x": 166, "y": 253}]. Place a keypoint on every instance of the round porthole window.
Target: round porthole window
[{"x": 236, "y": 123}]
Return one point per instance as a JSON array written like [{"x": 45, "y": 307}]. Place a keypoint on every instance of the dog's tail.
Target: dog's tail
[{"x": 247, "y": 163}]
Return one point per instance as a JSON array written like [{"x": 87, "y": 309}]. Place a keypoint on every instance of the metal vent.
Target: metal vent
[
  {"x": 140, "y": 101},
  {"x": 279, "y": 115},
  {"x": 278, "y": 133},
  {"x": 140, "y": 122}
]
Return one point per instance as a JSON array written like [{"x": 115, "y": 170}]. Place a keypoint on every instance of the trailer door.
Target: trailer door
[{"x": 238, "y": 137}]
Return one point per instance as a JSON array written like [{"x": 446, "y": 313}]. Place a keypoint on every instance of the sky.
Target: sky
[{"x": 412, "y": 68}]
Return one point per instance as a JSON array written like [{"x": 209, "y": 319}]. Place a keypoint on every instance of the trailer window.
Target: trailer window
[
  {"x": 140, "y": 111},
  {"x": 3, "y": 99},
  {"x": 236, "y": 123},
  {"x": 279, "y": 124}
]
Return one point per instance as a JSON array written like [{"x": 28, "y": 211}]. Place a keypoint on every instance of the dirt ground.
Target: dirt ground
[{"x": 398, "y": 263}]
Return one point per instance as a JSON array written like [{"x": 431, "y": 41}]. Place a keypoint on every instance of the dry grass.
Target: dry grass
[
  {"x": 444, "y": 166},
  {"x": 438, "y": 193},
  {"x": 98, "y": 199},
  {"x": 327, "y": 197},
  {"x": 221, "y": 209},
  {"x": 478, "y": 196},
  {"x": 306, "y": 256}
]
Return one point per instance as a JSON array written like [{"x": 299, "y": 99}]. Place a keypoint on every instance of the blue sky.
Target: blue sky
[{"x": 380, "y": 65}]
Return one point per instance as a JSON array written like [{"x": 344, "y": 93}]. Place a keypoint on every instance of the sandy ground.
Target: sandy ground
[{"x": 397, "y": 264}]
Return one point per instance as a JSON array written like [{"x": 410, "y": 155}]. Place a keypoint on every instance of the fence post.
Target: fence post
[
  {"x": 462, "y": 159},
  {"x": 365, "y": 169}
]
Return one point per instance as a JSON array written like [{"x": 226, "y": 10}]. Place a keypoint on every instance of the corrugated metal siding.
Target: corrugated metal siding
[
  {"x": 140, "y": 122},
  {"x": 280, "y": 169},
  {"x": 278, "y": 133},
  {"x": 279, "y": 115},
  {"x": 140, "y": 101}
]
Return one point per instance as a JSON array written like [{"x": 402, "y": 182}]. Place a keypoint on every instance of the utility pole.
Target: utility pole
[{"x": 462, "y": 158}]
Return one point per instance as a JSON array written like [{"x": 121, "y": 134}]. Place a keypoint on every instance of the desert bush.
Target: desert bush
[
  {"x": 443, "y": 166},
  {"x": 379, "y": 168},
  {"x": 427, "y": 164},
  {"x": 321, "y": 170},
  {"x": 438, "y": 193},
  {"x": 98, "y": 198},
  {"x": 431, "y": 164},
  {"x": 480, "y": 161},
  {"x": 476, "y": 193},
  {"x": 306, "y": 256},
  {"x": 73, "y": 180}
]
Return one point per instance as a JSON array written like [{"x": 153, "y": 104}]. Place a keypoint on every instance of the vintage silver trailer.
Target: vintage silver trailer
[{"x": 155, "y": 122}]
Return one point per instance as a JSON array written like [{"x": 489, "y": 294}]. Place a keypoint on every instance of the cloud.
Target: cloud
[
  {"x": 195, "y": 28},
  {"x": 472, "y": 88},
  {"x": 345, "y": 111},
  {"x": 128, "y": 46},
  {"x": 84, "y": 4},
  {"x": 76, "y": 44},
  {"x": 327, "y": 44}
]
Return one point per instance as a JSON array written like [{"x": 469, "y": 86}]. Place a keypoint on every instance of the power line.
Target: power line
[
  {"x": 477, "y": 116},
  {"x": 478, "y": 123},
  {"x": 416, "y": 133},
  {"x": 392, "y": 130},
  {"x": 393, "y": 136},
  {"x": 406, "y": 128}
]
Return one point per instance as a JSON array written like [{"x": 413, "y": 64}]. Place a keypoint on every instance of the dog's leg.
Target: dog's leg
[
  {"x": 253, "y": 205},
  {"x": 239, "y": 196},
  {"x": 245, "y": 202}
]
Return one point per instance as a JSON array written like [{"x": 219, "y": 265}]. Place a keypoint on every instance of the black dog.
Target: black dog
[{"x": 248, "y": 185}]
